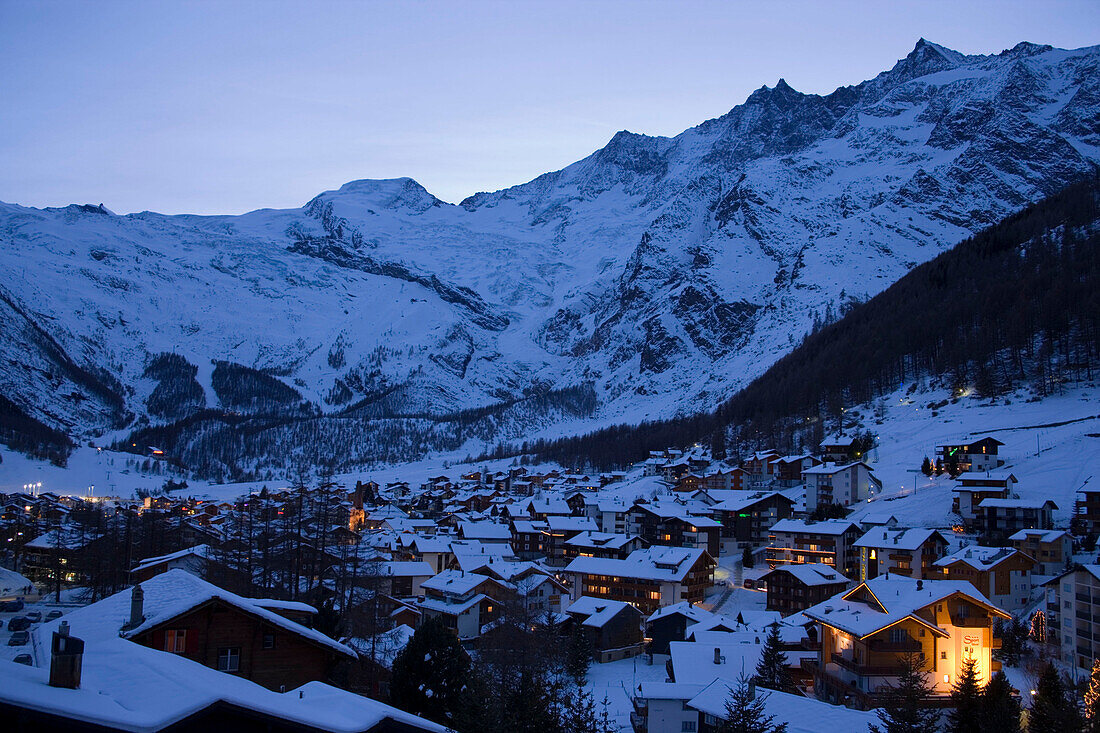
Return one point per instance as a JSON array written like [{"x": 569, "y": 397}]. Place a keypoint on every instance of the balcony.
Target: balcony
[
  {"x": 972, "y": 622},
  {"x": 866, "y": 670},
  {"x": 901, "y": 647}
]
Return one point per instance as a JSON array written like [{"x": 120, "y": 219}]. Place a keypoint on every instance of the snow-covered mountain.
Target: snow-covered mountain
[{"x": 653, "y": 277}]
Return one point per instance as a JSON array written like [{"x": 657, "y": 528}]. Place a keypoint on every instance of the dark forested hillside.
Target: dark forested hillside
[{"x": 1017, "y": 303}]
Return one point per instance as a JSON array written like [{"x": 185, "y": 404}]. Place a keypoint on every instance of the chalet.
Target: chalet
[
  {"x": 748, "y": 516},
  {"x": 403, "y": 578},
  {"x": 788, "y": 469},
  {"x": 761, "y": 468},
  {"x": 732, "y": 480},
  {"x": 1051, "y": 549},
  {"x": 998, "y": 519},
  {"x": 603, "y": 544},
  {"x": 971, "y": 489},
  {"x": 1086, "y": 509},
  {"x": 613, "y": 628},
  {"x": 1002, "y": 574},
  {"x": 650, "y": 578},
  {"x": 559, "y": 531},
  {"x": 839, "y": 448},
  {"x": 842, "y": 484},
  {"x": 670, "y": 624},
  {"x": 830, "y": 542},
  {"x": 540, "y": 592},
  {"x": 610, "y": 514},
  {"x": 485, "y": 532},
  {"x": 528, "y": 538},
  {"x": 794, "y": 588},
  {"x": 863, "y": 631},
  {"x": 975, "y": 455},
  {"x": 671, "y": 523},
  {"x": 93, "y": 672},
  {"x": 464, "y": 601},
  {"x": 900, "y": 550}
]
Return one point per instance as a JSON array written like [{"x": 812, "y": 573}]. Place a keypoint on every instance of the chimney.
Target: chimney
[
  {"x": 717, "y": 655},
  {"x": 920, "y": 585},
  {"x": 137, "y": 607},
  {"x": 66, "y": 658}
]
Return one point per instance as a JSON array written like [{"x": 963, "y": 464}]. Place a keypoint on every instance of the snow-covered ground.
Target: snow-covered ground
[{"x": 617, "y": 681}]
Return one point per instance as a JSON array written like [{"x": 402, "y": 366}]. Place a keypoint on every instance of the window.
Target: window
[
  {"x": 943, "y": 655},
  {"x": 899, "y": 636},
  {"x": 269, "y": 641},
  {"x": 175, "y": 641},
  {"x": 229, "y": 659},
  {"x": 688, "y": 726}
]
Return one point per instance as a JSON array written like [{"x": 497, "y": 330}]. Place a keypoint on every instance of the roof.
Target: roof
[
  {"x": 828, "y": 469},
  {"x": 898, "y": 538},
  {"x": 801, "y": 714},
  {"x": 1015, "y": 504},
  {"x": 829, "y": 526},
  {"x": 597, "y": 611},
  {"x": 459, "y": 582},
  {"x": 405, "y": 569},
  {"x": 979, "y": 557},
  {"x": 693, "y": 662},
  {"x": 683, "y": 608},
  {"x": 733, "y": 500},
  {"x": 811, "y": 573},
  {"x": 172, "y": 594},
  {"x": 126, "y": 686},
  {"x": 898, "y": 598},
  {"x": 200, "y": 551},
  {"x": 653, "y": 563},
  {"x": 1043, "y": 535},
  {"x": 607, "y": 540}
]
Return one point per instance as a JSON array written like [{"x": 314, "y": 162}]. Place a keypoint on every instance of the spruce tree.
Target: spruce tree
[
  {"x": 926, "y": 467},
  {"x": 966, "y": 700},
  {"x": 430, "y": 674},
  {"x": 1051, "y": 708},
  {"x": 745, "y": 712},
  {"x": 1092, "y": 700},
  {"x": 579, "y": 654},
  {"x": 771, "y": 670},
  {"x": 905, "y": 705},
  {"x": 1000, "y": 709}
]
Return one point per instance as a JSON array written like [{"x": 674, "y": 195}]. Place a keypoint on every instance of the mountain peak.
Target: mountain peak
[
  {"x": 925, "y": 58},
  {"x": 388, "y": 193}
]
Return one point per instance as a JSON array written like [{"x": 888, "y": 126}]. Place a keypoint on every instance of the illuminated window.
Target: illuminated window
[{"x": 175, "y": 641}]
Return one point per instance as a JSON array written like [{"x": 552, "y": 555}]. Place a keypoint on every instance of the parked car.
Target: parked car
[
  {"x": 23, "y": 659},
  {"x": 15, "y": 605},
  {"x": 19, "y": 623},
  {"x": 749, "y": 583},
  {"x": 53, "y": 614},
  {"x": 19, "y": 638},
  {"x": 34, "y": 617}
]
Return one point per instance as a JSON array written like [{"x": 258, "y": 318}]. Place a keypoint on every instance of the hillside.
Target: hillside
[
  {"x": 1016, "y": 305},
  {"x": 653, "y": 278}
]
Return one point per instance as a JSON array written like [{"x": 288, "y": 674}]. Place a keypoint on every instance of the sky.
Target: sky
[{"x": 223, "y": 107}]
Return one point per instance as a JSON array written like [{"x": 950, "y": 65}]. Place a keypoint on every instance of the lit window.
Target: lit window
[{"x": 175, "y": 641}]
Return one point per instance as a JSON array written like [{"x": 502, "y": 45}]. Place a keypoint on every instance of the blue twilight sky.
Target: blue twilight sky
[{"x": 223, "y": 107}]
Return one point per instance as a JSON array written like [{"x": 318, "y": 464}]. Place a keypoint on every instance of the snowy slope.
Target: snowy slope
[{"x": 653, "y": 277}]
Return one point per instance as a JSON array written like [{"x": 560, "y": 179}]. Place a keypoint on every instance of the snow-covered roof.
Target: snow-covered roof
[
  {"x": 12, "y": 583},
  {"x": 406, "y": 569},
  {"x": 828, "y": 469},
  {"x": 801, "y": 714},
  {"x": 898, "y": 538},
  {"x": 1016, "y": 504},
  {"x": 1043, "y": 535},
  {"x": 597, "y": 611},
  {"x": 693, "y": 662},
  {"x": 827, "y": 527},
  {"x": 201, "y": 551},
  {"x": 569, "y": 524},
  {"x": 683, "y": 608},
  {"x": 978, "y": 557},
  {"x": 815, "y": 573},
  {"x": 898, "y": 598},
  {"x": 485, "y": 531},
  {"x": 607, "y": 540},
  {"x": 653, "y": 563},
  {"x": 458, "y": 582},
  {"x": 126, "y": 686}
]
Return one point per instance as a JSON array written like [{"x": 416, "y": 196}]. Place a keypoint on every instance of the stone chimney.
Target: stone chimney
[
  {"x": 66, "y": 658},
  {"x": 717, "y": 655},
  {"x": 137, "y": 608}
]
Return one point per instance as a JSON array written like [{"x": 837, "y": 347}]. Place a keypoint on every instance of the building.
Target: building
[
  {"x": 672, "y": 524},
  {"x": 971, "y": 490},
  {"x": 670, "y": 624},
  {"x": 999, "y": 519},
  {"x": 1073, "y": 607},
  {"x": 804, "y": 541},
  {"x": 1086, "y": 509},
  {"x": 863, "y": 631},
  {"x": 559, "y": 531},
  {"x": 838, "y": 448},
  {"x": 748, "y": 516},
  {"x": 1002, "y": 574},
  {"x": 1050, "y": 548},
  {"x": 102, "y": 680},
  {"x": 650, "y": 578},
  {"x": 900, "y": 550},
  {"x": 976, "y": 455},
  {"x": 843, "y": 484},
  {"x": 464, "y": 601},
  {"x": 194, "y": 560},
  {"x": 603, "y": 544},
  {"x": 613, "y": 628},
  {"x": 793, "y": 588}
]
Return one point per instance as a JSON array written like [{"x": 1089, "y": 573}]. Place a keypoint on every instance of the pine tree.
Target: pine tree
[
  {"x": 578, "y": 655},
  {"x": 905, "y": 706},
  {"x": 771, "y": 670},
  {"x": 745, "y": 712},
  {"x": 926, "y": 467},
  {"x": 746, "y": 558},
  {"x": 1051, "y": 708},
  {"x": 1092, "y": 700},
  {"x": 1000, "y": 709},
  {"x": 430, "y": 674},
  {"x": 966, "y": 700}
]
